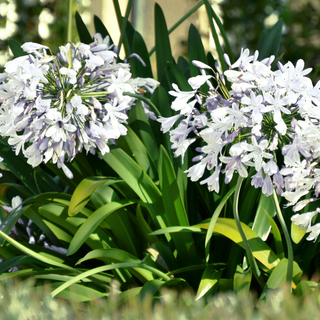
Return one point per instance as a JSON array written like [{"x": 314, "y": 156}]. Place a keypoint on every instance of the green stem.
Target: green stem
[
  {"x": 118, "y": 12},
  {"x": 224, "y": 35},
  {"x": 122, "y": 23},
  {"x": 69, "y": 30},
  {"x": 215, "y": 36},
  {"x": 287, "y": 236},
  {"x": 177, "y": 24},
  {"x": 94, "y": 94},
  {"x": 213, "y": 221},
  {"x": 251, "y": 260},
  {"x": 144, "y": 99}
]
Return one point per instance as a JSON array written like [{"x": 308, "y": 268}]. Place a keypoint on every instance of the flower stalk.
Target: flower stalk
[
  {"x": 251, "y": 259},
  {"x": 287, "y": 237}
]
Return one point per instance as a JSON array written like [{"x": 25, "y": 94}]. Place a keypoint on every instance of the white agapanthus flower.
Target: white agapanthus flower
[
  {"x": 53, "y": 107},
  {"x": 269, "y": 121}
]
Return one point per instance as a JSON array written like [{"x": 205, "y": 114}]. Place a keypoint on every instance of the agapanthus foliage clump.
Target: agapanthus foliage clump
[
  {"x": 53, "y": 107},
  {"x": 267, "y": 121}
]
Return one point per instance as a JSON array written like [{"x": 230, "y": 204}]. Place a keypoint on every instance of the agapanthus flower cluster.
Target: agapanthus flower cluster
[
  {"x": 53, "y": 107},
  {"x": 268, "y": 121}
]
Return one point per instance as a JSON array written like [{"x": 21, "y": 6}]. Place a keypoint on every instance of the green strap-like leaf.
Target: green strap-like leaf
[
  {"x": 163, "y": 48},
  {"x": 45, "y": 256},
  {"x": 176, "y": 230},
  {"x": 260, "y": 250},
  {"x": 270, "y": 41},
  {"x": 33, "y": 214},
  {"x": 175, "y": 213},
  {"x": 58, "y": 214},
  {"x": 16, "y": 49},
  {"x": 305, "y": 288},
  {"x": 276, "y": 236},
  {"x": 215, "y": 35},
  {"x": 81, "y": 195},
  {"x": 138, "y": 180},
  {"x": 181, "y": 20},
  {"x": 140, "y": 48},
  {"x": 183, "y": 65},
  {"x": 140, "y": 153},
  {"x": 213, "y": 221},
  {"x": 261, "y": 224},
  {"x": 110, "y": 255},
  {"x": 279, "y": 277},
  {"x": 83, "y": 32},
  {"x": 17, "y": 261},
  {"x": 115, "y": 255},
  {"x": 144, "y": 129},
  {"x": 144, "y": 225},
  {"x": 287, "y": 237},
  {"x": 94, "y": 220},
  {"x": 151, "y": 287},
  {"x": 126, "y": 32},
  {"x": 78, "y": 292},
  {"x": 175, "y": 75},
  {"x": 242, "y": 281},
  {"x": 209, "y": 281},
  {"x": 195, "y": 50},
  {"x": 100, "y": 28},
  {"x": 107, "y": 268}
]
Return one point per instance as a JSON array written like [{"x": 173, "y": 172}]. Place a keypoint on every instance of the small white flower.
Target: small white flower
[
  {"x": 314, "y": 232},
  {"x": 77, "y": 104},
  {"x": 200, "y": 64},
  {"x": 213, "y": 180},
  {"x": 167, "y": 123},
  {"x": 72, "y": 74},
  {"x": 304, "y": 220},
  {"x": 31, "y": 47},
  {"x": 197, "y": 81}
]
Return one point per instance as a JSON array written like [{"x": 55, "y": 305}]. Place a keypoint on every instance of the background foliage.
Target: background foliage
[
  {"x": 245, "y": 20},
  {"x": 20, "y": 20}
]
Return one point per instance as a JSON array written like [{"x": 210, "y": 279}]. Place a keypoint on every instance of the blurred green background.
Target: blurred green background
[
  {"x": 41, "y": 21},
  {"x": 244, "y": 20},
  {"x": 45, "y": 21}
]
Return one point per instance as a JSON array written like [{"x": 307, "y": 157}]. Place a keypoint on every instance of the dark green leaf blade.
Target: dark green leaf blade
[
  {"x": 81, "y": 195},
  {"x": 140, "y": 48},
  {"x": 16, "y": 49},
  {"x": 90, "y": 225},
  {"x": 100, "y": 28},
  {"x": 83, "y": 32},
  {"x": 209, "y": 281},
  {"x": 270, "y": 43},
  {"x": 195, "y": 50},
  {"x": 175, "y": 213},
  {"x": 163, "y": 48}
]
